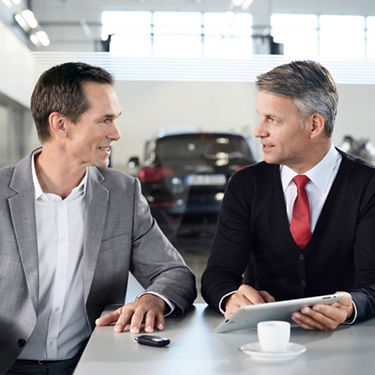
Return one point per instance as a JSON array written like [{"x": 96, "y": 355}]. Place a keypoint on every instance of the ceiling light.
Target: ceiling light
[
  {"x": 34, "y": 39},
  {"x": 21, "y": 21},
  {"x": 246, "y": 4},
  {"x": 29, "y": 17},
  {"x": 43, "y": 38},
  {"x": 237, "y": 3},
  {"x": 7, "y": 3},
  {"x": 17, "y": 2}
]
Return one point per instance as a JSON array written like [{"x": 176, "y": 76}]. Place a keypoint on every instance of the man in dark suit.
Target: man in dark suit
[
  {"x": 72, "y": 229},
  {"x": 302, "y": 222}
]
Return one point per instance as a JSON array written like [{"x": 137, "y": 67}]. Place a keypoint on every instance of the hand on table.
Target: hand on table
[
  {"x": 325, "y": 317},
  {"x": 245, "y": 295},
  {"x": 148, "y": 309}
]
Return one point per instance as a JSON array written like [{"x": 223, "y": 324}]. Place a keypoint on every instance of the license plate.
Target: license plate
[{"x": 205, "y": 179}]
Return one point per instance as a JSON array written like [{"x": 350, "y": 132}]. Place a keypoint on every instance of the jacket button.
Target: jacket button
[
  {"x": 303, "y": 283},
  {"x": 21, "y": 343}
]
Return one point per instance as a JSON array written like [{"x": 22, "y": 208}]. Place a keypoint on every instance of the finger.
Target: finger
[
  {"x": 307, "y": 322},
  {"x": 330, "y": 316},
  {"x": 108, "y": 319},
  {"x": 149, "y": 322},
  {"x": 317, "y": 320},
  {"x": 301, "y": 323},
  {"x": 243, "y": 300},
  {"x": 231, "y": 309},
  {"x": 123, "y": 320},
  {"x": 346, "y": 303},
  {"x": 136, "y": 321},
  {"x": 266, "y": 296},
  {"x": 250, "y": 295},
  {"x": 160, "y": 322}
]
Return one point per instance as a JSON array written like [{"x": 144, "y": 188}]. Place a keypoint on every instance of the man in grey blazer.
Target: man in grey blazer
[{"x": 72, "y": 229}]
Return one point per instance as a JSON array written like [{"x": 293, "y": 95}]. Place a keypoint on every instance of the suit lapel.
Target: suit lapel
[
  {"x": 22, "y": 210},
  {"x": 96, "y": 212}
]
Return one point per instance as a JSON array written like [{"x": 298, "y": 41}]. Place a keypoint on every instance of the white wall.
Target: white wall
[
  {"x": 355, "y": 112},
  {"x": 17, "y": 78},
  {"x": 17, "y": 68}
]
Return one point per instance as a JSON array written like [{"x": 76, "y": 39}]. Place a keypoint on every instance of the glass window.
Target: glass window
[
  {"x": 131, "y": 32},
  {"x": 297, "y": 32},
  {"x": 342, "y": 36},
  {"x": 227, "y": 34},
  {"x": 370, "y": 36},
  {"x": 177, "y": 34}
]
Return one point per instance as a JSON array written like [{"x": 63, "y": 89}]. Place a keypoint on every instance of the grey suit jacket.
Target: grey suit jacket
[{"x": 120, "y": 236}]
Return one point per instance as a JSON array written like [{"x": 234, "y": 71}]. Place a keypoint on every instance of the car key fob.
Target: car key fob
[{"x": 152, "y": 340}]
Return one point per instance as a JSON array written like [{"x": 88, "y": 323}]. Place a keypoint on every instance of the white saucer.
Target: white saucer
[{"x": 254, "y": 350}]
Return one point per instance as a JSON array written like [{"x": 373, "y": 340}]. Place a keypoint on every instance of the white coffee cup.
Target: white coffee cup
[{"x": 273, "y": 335}]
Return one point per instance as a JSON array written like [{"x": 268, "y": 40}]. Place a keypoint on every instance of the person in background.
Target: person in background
[
  {"x": 72, "y": 229},
  {"x": 300, "y": 223}
]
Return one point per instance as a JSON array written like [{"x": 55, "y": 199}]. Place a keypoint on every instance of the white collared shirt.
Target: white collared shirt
[
  {"x": 61, "y": 324},
  {"x": 321, "y": 178}
]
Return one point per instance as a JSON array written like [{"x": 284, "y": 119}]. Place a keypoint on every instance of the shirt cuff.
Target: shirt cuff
[
  {"x": 222, "y": 300},
  {"x": 170, "y": 304},
  {"x": 353, "y": 319}
]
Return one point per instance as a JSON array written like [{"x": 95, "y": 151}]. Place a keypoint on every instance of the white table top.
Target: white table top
[{"x": 196, "y": 349}]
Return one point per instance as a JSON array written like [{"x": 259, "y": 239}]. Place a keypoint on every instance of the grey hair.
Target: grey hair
[{"x": 309, "y": 84}]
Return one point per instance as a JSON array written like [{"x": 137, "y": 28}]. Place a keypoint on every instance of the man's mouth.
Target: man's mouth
[
  {"x": 105, "y": 149},
  {"x": 266, "y": 147}
]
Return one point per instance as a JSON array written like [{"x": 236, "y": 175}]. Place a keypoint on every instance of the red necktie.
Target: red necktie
[{"x": 300, "y": 223}]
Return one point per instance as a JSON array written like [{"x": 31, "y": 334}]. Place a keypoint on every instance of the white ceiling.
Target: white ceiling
[{"x": 75, "y": 24}]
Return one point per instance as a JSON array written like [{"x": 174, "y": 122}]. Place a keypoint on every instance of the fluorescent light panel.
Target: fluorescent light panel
[
  {"x": 29, "y": 17},
  {"x": 21, "y": 21},
  {"x": 34, "y": 38},
  {"x": 7, "y": 3},
  {"x": 43, "y": 38},
  {"x": 246, "y": 4}
]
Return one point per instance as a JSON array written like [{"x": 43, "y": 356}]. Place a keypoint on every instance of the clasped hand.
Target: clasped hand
[
  {"x": 318, "y": 317},
  {"x": 148, "y": 309}
]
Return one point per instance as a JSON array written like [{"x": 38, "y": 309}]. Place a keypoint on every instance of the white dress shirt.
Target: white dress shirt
[
  {"x": 321, "y": 178},
  {"x": 61, "y": 324}
]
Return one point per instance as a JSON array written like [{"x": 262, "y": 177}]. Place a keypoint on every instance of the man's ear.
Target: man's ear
[
  {"x": 58, "y": 125},
  {"x": 316, "y": 124}
]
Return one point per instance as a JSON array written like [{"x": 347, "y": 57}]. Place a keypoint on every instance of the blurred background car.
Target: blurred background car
[
  {"x": 361, "y": 147},
  {"x": 184, "y": 176}
]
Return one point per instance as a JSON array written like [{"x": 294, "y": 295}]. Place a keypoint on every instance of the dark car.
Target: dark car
[{"x": 184, "y": 177}]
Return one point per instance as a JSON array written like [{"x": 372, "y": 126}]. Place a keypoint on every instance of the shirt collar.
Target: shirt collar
[
  {"x": 40, "y": 194},
  {"x": 319, "y": 174}
]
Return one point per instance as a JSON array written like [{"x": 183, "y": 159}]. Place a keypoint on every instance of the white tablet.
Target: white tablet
[{"x": 248, "y": 316}]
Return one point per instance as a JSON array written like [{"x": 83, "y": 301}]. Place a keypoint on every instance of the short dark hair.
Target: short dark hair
[
  {"x": 59, "y": 89},
  {"x": 309, "y": 84}
]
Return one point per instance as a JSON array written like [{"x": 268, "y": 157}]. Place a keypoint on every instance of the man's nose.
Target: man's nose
[
  {"x": 260, "y": 130},
  {"x": 115, "y": 134}
]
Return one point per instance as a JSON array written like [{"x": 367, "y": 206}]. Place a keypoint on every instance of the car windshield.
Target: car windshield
[{"x": 202, "y": 146}]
